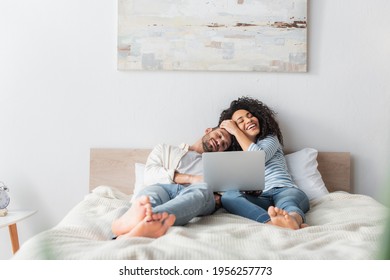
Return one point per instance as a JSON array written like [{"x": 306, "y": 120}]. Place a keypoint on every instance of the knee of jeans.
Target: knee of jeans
[
  {"x": 230, "y": 195},
  {"x": 304, "y": 202},
  {"x": 295, "y": 198},
  {"x": 208, "y": 197},
  {"x": 208, "y": 193},
  {"x": 201, "y": 189},
  {"x": 200, "y": 186}
]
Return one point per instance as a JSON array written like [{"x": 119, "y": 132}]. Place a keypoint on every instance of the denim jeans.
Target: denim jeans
[
  {"x": 255, "y": 207},
  {"x": 184, "y": 202}
]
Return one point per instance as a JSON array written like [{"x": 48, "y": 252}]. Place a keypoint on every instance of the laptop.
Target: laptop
[{"x": 241, "y": 170}]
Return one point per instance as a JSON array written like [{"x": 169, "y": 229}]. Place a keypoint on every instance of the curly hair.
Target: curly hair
[{"x": 266, "y": 116}]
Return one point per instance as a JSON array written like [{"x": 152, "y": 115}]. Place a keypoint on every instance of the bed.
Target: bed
[{"x": 343, "y": 225}]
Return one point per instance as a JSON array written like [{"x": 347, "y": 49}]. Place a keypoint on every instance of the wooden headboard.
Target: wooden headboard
[{"x": 115, "y": 168}]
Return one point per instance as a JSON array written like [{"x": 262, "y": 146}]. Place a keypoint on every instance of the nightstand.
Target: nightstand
[{"x": 10, "y": 220}]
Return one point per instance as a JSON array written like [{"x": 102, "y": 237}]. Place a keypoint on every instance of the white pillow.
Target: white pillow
[
  {"x": 139, "y": 179},
  {"x": 303, "y": 169}
]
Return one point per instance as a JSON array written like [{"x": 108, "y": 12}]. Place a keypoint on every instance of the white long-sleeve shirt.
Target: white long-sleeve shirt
[{"x": 162, "y": 163}]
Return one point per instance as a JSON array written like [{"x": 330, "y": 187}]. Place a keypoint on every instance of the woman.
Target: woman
[{"x": 254, "y": 127}]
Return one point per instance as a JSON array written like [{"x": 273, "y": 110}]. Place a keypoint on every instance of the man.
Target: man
[{"x": 176, "y": 192}]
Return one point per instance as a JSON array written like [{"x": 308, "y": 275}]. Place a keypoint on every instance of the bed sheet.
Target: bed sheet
[{"x": 342, "y": 226}]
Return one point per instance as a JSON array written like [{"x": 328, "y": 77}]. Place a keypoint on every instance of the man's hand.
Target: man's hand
[
  {"x": 196, "y": 179},
  {"x": 254, "y": 193},
  {"x": 183, "y": 179},
  {"x": 217, "y": 198}
]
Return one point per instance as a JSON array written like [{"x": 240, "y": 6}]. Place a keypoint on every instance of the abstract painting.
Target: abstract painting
[{"x": 213, "y": 35}]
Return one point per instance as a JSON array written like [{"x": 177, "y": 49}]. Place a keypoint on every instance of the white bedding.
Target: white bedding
[{"x": 342, "y": 226}]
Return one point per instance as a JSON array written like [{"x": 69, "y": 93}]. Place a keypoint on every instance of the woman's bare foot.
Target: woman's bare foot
[
  {"x": 281, "y": 218},
  {"x": 154, "y": 228},
  {"x": 140, "y": 209},
  {"x": 299, "y": 219}
]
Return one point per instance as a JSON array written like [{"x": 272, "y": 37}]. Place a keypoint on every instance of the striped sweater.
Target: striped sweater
[{"x": 276, "y": 172}]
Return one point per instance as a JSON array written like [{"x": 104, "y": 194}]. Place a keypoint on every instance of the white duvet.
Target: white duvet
[{"x": 342, "y": 226}]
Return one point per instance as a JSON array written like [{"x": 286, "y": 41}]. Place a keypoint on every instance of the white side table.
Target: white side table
[{"x": 10, "y": 220}]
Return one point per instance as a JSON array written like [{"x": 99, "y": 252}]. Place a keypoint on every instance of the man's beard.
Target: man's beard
[{"x": 206, "y": 146}]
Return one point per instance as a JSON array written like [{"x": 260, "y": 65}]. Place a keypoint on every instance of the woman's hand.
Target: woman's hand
[
  {"x": 230, "y": 126},
  {"x": 243, "y": 140}
]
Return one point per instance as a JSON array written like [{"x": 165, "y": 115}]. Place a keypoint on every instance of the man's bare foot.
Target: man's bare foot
[
  {"x": 154, "y": 228},
  {"x": 281, "y": 218},
  {"x": 140, "y": 209}
]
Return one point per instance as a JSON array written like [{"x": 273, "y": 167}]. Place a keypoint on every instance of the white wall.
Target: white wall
[{"x": 60, "y": 95}]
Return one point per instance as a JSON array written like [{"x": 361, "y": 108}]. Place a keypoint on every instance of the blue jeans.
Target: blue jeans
[
  {"x": 184, "y": 202},
  {"x": 255, "y": 207}
]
